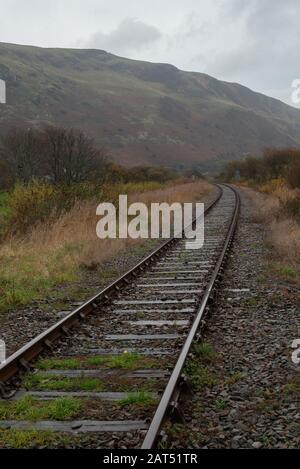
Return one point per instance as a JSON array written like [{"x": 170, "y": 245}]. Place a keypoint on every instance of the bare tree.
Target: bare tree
[
  {"x": 54, "y": 144},
  {"x": 21, "y": 149},
  {"x": 63, "y": 155},
  {"x": 72, "y": 156}
]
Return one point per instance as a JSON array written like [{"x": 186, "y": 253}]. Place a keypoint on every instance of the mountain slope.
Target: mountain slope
[{"x": 143, "y": 113}]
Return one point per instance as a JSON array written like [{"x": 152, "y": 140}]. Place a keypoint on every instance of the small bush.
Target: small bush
[
  {"x": 199, "y": 375},
  {"x": 272, "y": 186},
  {"x": 275, "y": 164},
  {"x": 29, "y": 204}
]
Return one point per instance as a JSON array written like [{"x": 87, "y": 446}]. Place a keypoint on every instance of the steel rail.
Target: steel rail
[
  {"x": 21, "y": 359},
  {"x": 164, "y": 405}
]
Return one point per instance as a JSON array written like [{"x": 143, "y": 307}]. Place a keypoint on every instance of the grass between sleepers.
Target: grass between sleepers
[
  {"x": 42, "y": 382},
  {"x": 28, "y": 408},
  {"x": 138, "y": 398},
  {"x": 19, "y": 439},
  {"x": 117, "y": 383},
  {"x": 126, "y": 361}
]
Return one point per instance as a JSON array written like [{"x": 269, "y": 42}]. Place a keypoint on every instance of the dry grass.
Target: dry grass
[
  {"x": 283, "y": 229},
  {"x": 52, "y": 253},
  {"x": 77, "y": 228}
]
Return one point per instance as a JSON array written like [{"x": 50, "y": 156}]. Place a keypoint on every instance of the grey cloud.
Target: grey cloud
[
  {"x": 268, "y": 56},
  {"x": 130, "y": 35}
]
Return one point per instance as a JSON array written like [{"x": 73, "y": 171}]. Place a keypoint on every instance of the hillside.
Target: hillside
[{"x": 144, "y": 113}]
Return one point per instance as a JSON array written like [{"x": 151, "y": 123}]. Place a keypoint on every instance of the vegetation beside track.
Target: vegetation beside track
[
  {"x": 126, "y": 361},
  {"x": 57, "y": 250},
  {"x": 273, "y": 184}
]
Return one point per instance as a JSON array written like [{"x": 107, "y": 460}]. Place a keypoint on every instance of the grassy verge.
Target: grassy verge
[
  {"x": 54, "y": 252},
  {"x": 276, "y": 206},
  {"x": 288, "y": 273}
]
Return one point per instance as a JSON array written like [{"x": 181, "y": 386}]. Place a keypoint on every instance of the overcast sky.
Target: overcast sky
[{"x": 252, "y": 42}]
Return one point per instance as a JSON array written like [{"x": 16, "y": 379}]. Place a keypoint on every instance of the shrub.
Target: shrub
[
  {"x": 29, "y": 204},
  {"x": 272, "y": 186},
  {"x": 276, "y": 164}
]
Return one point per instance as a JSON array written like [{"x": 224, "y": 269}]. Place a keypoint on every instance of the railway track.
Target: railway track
[{"x": 113, "y": 370}]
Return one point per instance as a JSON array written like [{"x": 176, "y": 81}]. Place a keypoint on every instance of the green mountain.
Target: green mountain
[{"x": 143, "y": 113}]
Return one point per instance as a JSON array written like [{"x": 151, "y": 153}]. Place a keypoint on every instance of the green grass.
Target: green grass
[
  {"x": 43, "y": 382},
  {"x": 140, "y": 315},
  {"x": 4, "y": 208},
  {"x": 57, "y": 364},
  {"x": 287, "y": 272},
  {"x": 138, "y": 398},
  {"x": 283, "y": 271},
  {"x": 221, "y": 404},
  {"x": 94, "y": 361},
  {"x": 292, "y": 388},
  {"x": 27, "y": 277},
  {"x": 27, "y": 408},
  {"x": 126, "y": 361},
  {"x": 4, "y": 212},
  {"x": 205, "y": 352},
  {"x": 163, "y": 445},
  {"x": 19, "y": 439},
  {"x": 199, "y": 375},
  {"x": 252, "y": 302}
]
